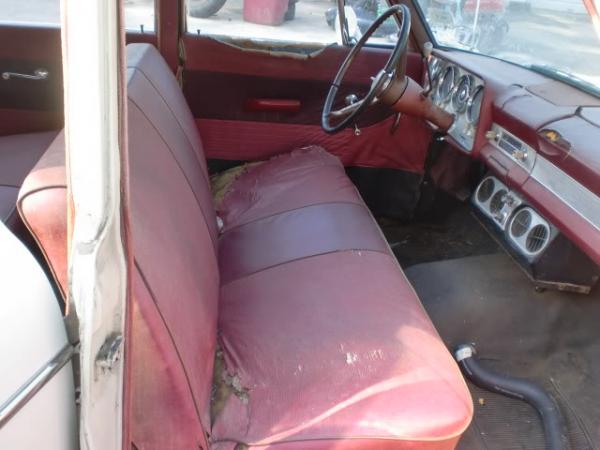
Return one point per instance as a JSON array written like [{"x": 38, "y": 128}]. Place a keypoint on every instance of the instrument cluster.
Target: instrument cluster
[{"x": 460, "y": 93}]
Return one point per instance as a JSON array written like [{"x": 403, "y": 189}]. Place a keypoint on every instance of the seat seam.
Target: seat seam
[
  {"x": 172, "y": 339},
  {"x": 164, "y": 100},
  {"x": 302, "y": 258},
  {"x": 227, "y": 230},
  {"x": 189, "y": 184},
  {"x": 343, "y": 438}
]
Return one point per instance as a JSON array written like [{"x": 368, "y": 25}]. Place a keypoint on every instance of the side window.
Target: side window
[
  {"x": 139, "y": 14},
  {"x": 294, "y": 21}
]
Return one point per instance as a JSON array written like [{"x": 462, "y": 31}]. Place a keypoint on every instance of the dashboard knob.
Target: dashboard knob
[
  {"x": 520, "y": 155},
  {"x": 491, "y": 135},
  {"x": 500, "y": 216}
]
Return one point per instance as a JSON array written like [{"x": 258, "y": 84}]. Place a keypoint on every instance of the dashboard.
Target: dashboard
[
  {"x": 458, "y": 92},
  {"x": 538, "y": 139}
]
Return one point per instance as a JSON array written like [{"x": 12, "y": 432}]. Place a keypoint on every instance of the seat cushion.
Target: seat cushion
[
  {"x": 18, "y": 154},
  {"x": 332, "y": 349},
  {"x": 296, "y": 234},
  {"x": 304, "y": 177}
]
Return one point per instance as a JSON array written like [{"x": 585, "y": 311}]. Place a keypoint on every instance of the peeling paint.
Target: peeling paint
[{"x": 276, "y": 49}]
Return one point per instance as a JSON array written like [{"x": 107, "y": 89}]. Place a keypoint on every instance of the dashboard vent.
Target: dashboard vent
[
  {"x": 537, "y": 238},
  {"x": 529, "y": 231},
  {"x": 497, "y": 201},
  {"x": 486, "y": 190},
  {"x": 521, "y": 223}
]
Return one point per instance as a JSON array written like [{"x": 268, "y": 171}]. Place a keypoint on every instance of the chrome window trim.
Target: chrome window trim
[
  {"x": 32, "y": 386},
  {"x": 572, "y": 193}
]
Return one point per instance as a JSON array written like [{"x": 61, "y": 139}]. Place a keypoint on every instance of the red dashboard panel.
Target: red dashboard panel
[
  {"x": 581, "y": 157},
  {"x": 561, "y": 124}
]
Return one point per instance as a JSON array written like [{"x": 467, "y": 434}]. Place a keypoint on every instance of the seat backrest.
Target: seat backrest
[{"x": 173, "y": 224}]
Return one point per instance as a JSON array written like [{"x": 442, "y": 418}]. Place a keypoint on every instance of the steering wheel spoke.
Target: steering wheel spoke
[
  {"x": 351, "y": 108},
  {"x": 394, "y": 69}
]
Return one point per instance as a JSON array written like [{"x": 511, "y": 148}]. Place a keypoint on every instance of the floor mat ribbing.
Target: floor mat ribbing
[{"x": 548, "y": 337}]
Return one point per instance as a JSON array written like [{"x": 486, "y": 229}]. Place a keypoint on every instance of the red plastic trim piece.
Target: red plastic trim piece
[{"x": 272, "y": 105}]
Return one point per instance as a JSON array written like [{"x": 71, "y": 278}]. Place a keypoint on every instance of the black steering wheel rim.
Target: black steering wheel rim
[{"x": 390, "y": 70}]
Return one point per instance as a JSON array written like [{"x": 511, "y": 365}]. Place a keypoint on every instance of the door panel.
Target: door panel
[
  {"x": 34, "y": 105},
  {"x": 29, "y": 105},
  {"x": 221, "y": 79}
]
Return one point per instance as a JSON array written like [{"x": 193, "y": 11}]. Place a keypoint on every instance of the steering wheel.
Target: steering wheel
[{"x": 387, "y": 86}]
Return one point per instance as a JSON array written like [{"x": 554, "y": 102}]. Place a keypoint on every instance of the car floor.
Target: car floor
[
  {"x": 448, "y": 231},
  {"x": 479, "y": 295}
]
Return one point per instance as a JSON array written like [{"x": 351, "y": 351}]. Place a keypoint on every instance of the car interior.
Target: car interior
[{"x": 318, "y": 233}]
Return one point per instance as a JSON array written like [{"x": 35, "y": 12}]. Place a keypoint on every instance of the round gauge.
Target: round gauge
[
  {"x": 446, "y": 83},
  {"x": 474, "y": 105},
  {"x": 462, "y": 93},
  {"x": 435, "y": 68}
]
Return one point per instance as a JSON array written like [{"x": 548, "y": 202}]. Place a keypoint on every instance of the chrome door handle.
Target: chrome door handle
[{"x": 38, "y": 75}]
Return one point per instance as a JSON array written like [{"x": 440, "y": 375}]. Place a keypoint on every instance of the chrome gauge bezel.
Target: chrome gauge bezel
[
  {"x": 451, "y": 71},
  {"x": 469, "y": 111},
  {"x": 462, "y": 93},
  {"x": 435, "y": 68},
  {"x": 452, "y": 90}
]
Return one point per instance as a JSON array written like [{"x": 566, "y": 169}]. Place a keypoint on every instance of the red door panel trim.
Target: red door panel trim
[{"x": 406, "y": 149}]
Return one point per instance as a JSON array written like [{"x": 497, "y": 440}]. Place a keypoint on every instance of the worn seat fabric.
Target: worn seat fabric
[
  {"x": 336, "y": 346},
  {"x": 323, "y": 342},
  {"x": 298, "y": 179}
]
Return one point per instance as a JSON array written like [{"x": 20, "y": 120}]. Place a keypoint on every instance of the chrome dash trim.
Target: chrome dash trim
[
  {"x": 32, "y": 386},
  {"x": 530, "y": 155},
  {"x": 576, "y": 196}
]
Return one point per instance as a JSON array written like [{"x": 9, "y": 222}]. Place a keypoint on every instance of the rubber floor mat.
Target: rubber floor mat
[
  {"x": 455, "y": 235},
  {"x": 504, "y": 423},
  {"x": 548, "y": 337}
]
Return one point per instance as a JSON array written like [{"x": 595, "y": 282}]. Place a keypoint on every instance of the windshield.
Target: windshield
[{"x": 560, "y": 38}]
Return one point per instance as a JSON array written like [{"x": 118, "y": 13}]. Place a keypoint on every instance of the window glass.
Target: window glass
[
  {"x": 302, "y": 21},
  {"x": 560, "y": 38},
  {"x": 138, "y": 13}
]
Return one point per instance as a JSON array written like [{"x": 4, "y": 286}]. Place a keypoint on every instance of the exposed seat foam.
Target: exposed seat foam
[
  {"x": 18, "y": 155},
  {"x": 328, "y": 343}
]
